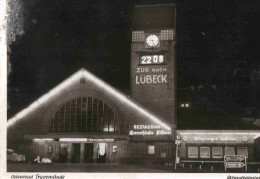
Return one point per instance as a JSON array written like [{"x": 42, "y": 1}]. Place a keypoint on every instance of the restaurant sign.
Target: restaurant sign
[{"x": 147, "y": 130}]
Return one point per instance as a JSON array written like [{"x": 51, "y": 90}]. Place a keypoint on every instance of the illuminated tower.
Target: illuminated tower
[{"x": 153, "y": 59}]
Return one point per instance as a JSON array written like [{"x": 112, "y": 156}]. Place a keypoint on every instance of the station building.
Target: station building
[{"x": 85, "y": 120}]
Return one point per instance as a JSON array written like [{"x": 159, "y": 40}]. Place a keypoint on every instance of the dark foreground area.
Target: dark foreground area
[{"x": 121, "y": 168}]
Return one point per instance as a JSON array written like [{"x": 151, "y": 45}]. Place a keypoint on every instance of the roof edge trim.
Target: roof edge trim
[{"x": 100, "y": 83}]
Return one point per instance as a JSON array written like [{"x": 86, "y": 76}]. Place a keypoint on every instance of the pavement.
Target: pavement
[
  {"x": 87, "y": 168},
  {"x": 118, "y": 168}
]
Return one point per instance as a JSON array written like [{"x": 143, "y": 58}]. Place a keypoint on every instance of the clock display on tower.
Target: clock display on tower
[{"x": 152, "y": 40}]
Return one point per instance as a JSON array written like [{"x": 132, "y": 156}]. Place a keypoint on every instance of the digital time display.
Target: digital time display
[{"x": 152, "y": 59}]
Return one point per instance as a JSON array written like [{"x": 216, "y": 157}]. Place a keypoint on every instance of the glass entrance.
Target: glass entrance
[
  {"x": 101, "y": 156},
  {"x": 63, "y": 154},
  {"x": 75, "y": 157},
  {"x": 88, "y": 152}
]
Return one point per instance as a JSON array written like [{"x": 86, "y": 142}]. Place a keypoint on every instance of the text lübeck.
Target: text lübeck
[{"x": 148, "y": 79}]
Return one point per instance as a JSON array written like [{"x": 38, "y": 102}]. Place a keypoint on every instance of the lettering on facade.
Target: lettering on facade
[
  {"x": 159, "y": 69},
  {"x": 146, "y": 69},
  {"x": 149, "y": 132},
  {"x": 215, "y": 139},
  {"x": 142, "y": 70},
  {"x": 151, "y": 79},
  {"x": 147, "y": 127}
]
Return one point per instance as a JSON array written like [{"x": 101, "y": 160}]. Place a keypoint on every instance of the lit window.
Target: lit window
[
  {"x": 217, "y": 152},
  {"x": 151, "y": 149},
  {"x": 84, "y": 114},
  {"x": 193, "y": 152},
  {"x": 242, "y": 151},
  {"x": 114, "y": 149},
  {"x": 229, "y": 150},
  {"x": 204, "y": 152},
  {"x": 101, "y": 149}
]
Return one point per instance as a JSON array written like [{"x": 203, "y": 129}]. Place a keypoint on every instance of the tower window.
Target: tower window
[{"x": 185, "y": 104}]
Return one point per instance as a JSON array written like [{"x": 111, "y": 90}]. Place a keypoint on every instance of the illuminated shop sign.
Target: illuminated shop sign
[
  {"x": 84, "y": 140},
  {"x": 215, "y": 139},
  {"x": 43, "y": 139},
  {"x": 151, "y": 79},
  {"x": 147, "y": 127},
  {"x": 152, "y": 59},
  {"x": 148, "y": 130}
]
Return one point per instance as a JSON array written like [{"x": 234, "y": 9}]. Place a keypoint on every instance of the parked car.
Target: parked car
[{"x": 14, "y": 157}]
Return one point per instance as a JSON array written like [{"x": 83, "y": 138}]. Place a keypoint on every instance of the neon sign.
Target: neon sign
[
  {"x": 151, "y": 79},
  {"x": 147, "y": 127},
  {"x": 147, "y": 130},
  {"x": 214, "y": 139}
]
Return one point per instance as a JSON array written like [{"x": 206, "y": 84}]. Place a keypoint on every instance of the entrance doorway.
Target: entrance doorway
[
  {"x": 75, "y": 157},
  {"x": 88, "y": 152},
  {"x": 63, "y": 154},
  {"x": 101, "y": 156}
]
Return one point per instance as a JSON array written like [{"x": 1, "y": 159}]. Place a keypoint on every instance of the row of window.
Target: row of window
[
  {"x": 84, "y": 114},
  {"x": 215, "y": 152}
]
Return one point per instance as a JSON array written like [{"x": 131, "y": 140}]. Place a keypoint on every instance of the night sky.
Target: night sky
[{"x": 214, "y": 38}]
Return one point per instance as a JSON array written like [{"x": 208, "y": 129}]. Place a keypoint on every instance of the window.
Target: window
[
  {"x": 114, "y": 149},
  {"x": 151, "y": 149},
  {"x": 193, "y": 152},
  {"x": 185, "y": 104},
  {"x": 242, "y": 151},
  {"x": 217, "y": 152},
  {"x": 229, "y": 150},
  {"x": 204, "y": 152},
  {"x": 50, "y": 149},
  {"x": 84, "y": 114}
]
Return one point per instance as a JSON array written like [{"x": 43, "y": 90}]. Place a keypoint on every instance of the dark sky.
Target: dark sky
[{"x": 62, "y": 36}]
